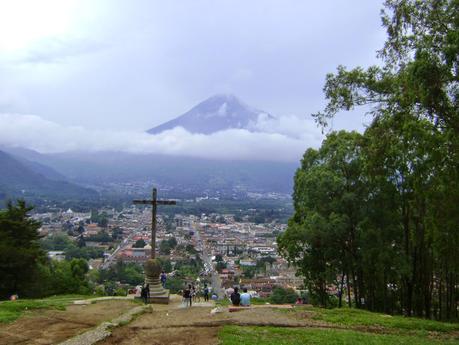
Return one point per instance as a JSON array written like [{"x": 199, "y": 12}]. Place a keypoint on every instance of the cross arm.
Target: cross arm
[
  {"x": 166, "y": 202},
  {"x": 143, "y": 202}
]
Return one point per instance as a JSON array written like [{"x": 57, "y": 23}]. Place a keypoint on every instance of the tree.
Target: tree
[
  {"x": 56, "y": 242},
  {"x": 139, "y": 243},
  {"x": 81, "y": 242},
  {"x": 220, "y": 266},
  {"x": 79, "y": 268},
  {"x": 80, "y": 230},
  {"x": 165, "y": 248},
  {"x": 20, "y": 251},
  {"x": 166, "y": 265},
  {"x": 172, "y": 242},
  {"x": 399, "y": 235},
  {"x": 191, "y": 249},
  {"x": 117, "y": 233},
  {"x": 126, "y": 273},
  {"x": 323, "y": 236},
  {"x": 249, "y": 272},
  {"x": 283, "y": 296}
]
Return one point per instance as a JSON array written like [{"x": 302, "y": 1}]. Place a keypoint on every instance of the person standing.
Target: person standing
[
  {"x": 193, "y": 293},
  {"x": 163, "y": 279},
  {"x": 187, "y": 295},
  {"x": 245, "y": 298},
  {"x": 143, "y": 294},
  {"x": 147, "y": 293},
  {"x": 206, "y": 293}
]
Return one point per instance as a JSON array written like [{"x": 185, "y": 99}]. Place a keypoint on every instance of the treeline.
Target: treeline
[{"x": 376, "y": 214}]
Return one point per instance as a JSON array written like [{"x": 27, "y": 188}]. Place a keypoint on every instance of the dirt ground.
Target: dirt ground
[
  {"x": 174, "y": 325},
  {"x": 54, "y": 326}
]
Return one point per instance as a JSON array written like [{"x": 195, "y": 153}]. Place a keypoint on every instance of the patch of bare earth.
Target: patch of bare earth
[
  {"x": 54, "y": 326},
  {"x": 196, "y": 325}
]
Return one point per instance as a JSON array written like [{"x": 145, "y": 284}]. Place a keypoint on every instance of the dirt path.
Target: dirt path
[
  {"x": 54, "y": 326},
  {"x": 174, "y": 325}
]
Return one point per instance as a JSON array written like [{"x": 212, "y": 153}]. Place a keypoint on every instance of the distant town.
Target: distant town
[{"x": 225, "y": 250}]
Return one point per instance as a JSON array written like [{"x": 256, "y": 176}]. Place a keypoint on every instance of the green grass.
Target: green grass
[
  {"x": 12, "y": 310},
  {"x": 235, "y": 335},
  {"x": 357, "y": 317}
]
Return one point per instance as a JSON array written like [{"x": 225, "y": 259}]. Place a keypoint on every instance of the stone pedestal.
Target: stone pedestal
[{"x": 158, "y": 294}]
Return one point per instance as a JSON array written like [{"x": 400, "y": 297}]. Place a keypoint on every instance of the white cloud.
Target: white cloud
[{"x": 280, "y": 139}]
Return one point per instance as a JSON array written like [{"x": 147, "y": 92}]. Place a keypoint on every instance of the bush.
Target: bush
[
  {"x": 283, "y": 296},
  {"x": 121, "y": 292}
]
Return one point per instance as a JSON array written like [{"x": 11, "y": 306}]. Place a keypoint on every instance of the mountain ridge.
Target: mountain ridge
[{"x": 22, "y": 178}]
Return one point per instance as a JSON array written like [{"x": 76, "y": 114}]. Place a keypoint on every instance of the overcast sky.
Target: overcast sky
[{"x": 131, "y": 65}]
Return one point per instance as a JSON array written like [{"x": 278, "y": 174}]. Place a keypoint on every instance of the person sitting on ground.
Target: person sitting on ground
[
  {"x": 299, "y": 301},
  {"x": 245, "y": 298},
  {"x": 236, "y": 297}
]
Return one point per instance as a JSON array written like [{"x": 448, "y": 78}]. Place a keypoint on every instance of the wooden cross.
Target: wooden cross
[{"x": 154, "y": 202}]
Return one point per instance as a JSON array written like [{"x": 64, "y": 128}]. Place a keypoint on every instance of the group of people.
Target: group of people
[
  {"x": 191, "y": 294},
  {"x": 242, "y": 299}
]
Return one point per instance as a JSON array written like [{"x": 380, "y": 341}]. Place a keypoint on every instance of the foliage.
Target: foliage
[
  {"x": 62, "y": 242},
  {"x": 191, "y": 249},
  {"x": 139, "y": 243},
  {"x": 166, "y": 246},
  {"x": 120, "y": 292},
  {"x": 83, "y": 253},
  {"x": 100, "y": 237},
  {"x": 58, "y": 241},
  {"x": 117, "y": 233},
  {"x": 166, "y": 264},
  {"x": 283, "y": 296},
  {"x": 175, "y": 284},
  {"x": 261, "y": 263},
  {"x": 376, "y": 214},
  {"x": 125, "y": 273},
  {"x": 60, "y": 277},
  {"x": 248, "y": 271},
  {"x": 220, "y": 266},
  {"x": 99, "y": 218},
  {"x": 189, "y": 268},
  {"x": 20, "y": 252}
]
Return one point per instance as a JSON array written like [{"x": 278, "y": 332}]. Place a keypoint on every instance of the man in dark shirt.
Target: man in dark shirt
[
  {"x": 187, "y": 295},
  {"x": 236, "y": 297}
]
